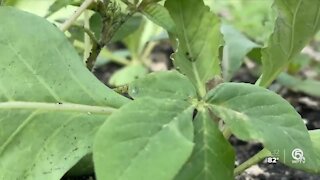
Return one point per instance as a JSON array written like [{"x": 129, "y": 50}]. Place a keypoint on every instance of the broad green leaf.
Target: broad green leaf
[
  {"x": 146, "y": 139},
  {"x": 137, "y": 40},
  {"x": 254, "y": 17},
  {"x": 308, "y": 86},
  {"x": 128, "y": 74},
  {"x": 198, "y": 40},
  {"x": 212, "y": 157},
  {"x": 237, "y": 46},
  {"x": 298, "y": 21},
  {"x": 95, "y": 23},
  {"x": 50, "y": 104},
  {"x": 130, "y": 26},
  {"x": 159, "y": 15},
  {"x": 84, "y": 167},
  {"x": 315, "y": 138},
  {"x": 168, "y": 84},
  {"x": 255, "y": 113}
]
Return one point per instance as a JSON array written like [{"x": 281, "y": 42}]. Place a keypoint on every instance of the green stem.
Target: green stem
[
  {"x": 252, "y": 161},
  {"x": 147, "y": 51},
  {"x": 226, "y": 132},
  {"x": 109, "y": 27},
  {"x": 66, "y": 25},
  {"x": 87, "y": 42},
  {"x": 270, "y": 79},
  {"x": 57, "y": 107},
  {"x": 106, "y": 54}
]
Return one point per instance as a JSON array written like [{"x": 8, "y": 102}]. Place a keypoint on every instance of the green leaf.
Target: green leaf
[
  {"x": 146, "y": 139},
  {"x": 10, "y": 2},
  {"x": 95, "y": 23},
  {"x": 168, "y": 84},
  {"x": 130, "y": 26},
  {"x": 254, "y": 17},
  {"x": 255, "y": 113},
  {"x": 237, "y": 46},
  {"x": 159, "y": 15},
  {"x": 315, "y": 138},
  {"x": 308, "y": 86},
  {"x": 136, "y": 41},
  {"x": 212, "y": 157},
  {"x": 50, "y": 104},
  {"x": 299, "y": 63},
  {"x": 297, "y": 22},
  {"x": 199, "y": 39},
  {"x": 128, "y": 74}
]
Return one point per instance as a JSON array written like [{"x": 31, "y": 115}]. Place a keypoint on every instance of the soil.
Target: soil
[{"x": 244, "y": 150}]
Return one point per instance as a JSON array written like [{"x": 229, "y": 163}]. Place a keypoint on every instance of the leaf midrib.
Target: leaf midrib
[
  {"x": 143, "y": 148},
  {"x": 45, "y": 106},
  {"x": 194, "y": 68},
  {"x": 293, "y": 29}
]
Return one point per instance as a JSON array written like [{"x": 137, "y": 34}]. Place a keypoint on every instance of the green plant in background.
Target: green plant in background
[
  {"x": 140, "y": 45},
  {"x": 252, "y": 17},
  {"x": 54, "y": 111}
]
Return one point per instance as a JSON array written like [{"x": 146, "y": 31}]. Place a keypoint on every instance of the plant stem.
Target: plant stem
[
  {"x": 66, "y": 25},
  {"x": 109, "y": 27},
  {"x": 87, "y": 43},
  {"x": 90, "y": 35},
  {"x": 226, "y": 132},
  {"x": 145, "y": 55},
  {"x": 252, "y": 161},
  {"x": 147, "y": 51},
  {"x": 69, "y": 107},
  {"x": 106, "y": 54}
]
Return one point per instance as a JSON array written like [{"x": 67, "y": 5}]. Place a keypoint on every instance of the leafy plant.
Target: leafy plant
[{"x": 54, "y": 111}]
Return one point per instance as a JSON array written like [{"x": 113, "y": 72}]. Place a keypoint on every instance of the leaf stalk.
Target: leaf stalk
[
  {"x": 252, "y": 161},
  {"x": 67, "y": 24}
]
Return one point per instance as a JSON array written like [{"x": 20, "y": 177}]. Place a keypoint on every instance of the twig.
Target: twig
[
  {"x": 88, "y": 32},
  {"x": 252, "y": 161},
  {"x": 148, "y": 49},
  {"x": 105, "y": 53},
  {"x": 226, "y": 132},
  {"x": 91, "y": 36},
  {"x": 66, "y": 25},
  {"x": 109, "y": 27},
  {"x": 87, "y": 36}
]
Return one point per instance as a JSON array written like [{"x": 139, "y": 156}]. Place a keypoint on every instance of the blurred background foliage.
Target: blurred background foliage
[{"x": 140, "y": 46}]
